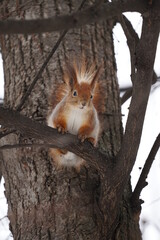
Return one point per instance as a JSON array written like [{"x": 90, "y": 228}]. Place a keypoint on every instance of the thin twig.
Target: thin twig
[
  {"x": 3, "y": 218},
  {"x": 142, "y": 179},
  {"x": 124, "y": 89},
  {"x": 126, "y": 95},
  {"x": 131, "y": 45},
  {"x": 19, "y": 107},
  {"x": 129, "y": 90}
]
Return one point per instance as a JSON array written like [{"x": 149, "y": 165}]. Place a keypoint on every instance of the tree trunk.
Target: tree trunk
[{"x": 45, "y": 203}]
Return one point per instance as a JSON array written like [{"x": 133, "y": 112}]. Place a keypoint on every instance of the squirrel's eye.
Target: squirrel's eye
[
  {"x": 91, "y": 96},
  {"x": 75, "y": 93}
]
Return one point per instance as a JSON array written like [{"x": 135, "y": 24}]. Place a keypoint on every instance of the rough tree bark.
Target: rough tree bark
[{"x": 45, "y": 203}]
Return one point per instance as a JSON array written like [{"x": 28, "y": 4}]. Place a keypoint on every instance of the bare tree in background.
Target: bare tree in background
[{"x": 96, "y": 203}]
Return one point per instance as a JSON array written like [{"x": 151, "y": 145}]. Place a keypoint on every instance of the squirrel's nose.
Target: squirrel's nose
[{"x": 83, "y": 103}]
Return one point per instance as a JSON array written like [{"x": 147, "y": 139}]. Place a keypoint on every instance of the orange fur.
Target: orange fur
[
  {"x": 85, "y": 130},
  {"x": 60, "y": 123}
]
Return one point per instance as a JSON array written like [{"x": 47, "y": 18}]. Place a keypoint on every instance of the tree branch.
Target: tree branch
[
  {"x": 131, "y": 41},
  {"x": 129, "y": 90},
  {"x": 131, "y": 35},
  {"x": 142, "y": 180},
  {"x": 50, "y": 136},
  {"x": 145, "y": 54},
  {"x": 26, "y": 145},
  {"x": 75, "y": 20},
  {"x": 126, "y": 95}
]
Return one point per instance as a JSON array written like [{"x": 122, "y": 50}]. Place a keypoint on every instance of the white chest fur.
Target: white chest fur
[{"x": 76, "y": 118}]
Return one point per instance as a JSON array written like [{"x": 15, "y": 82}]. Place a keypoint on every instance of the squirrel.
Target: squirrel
[{"x": 75, "y": 105}]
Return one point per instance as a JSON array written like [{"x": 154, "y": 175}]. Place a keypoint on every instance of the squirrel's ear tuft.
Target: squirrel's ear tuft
[
  {"x": 96, "y": 76},
  {"x": 70, "y": 76}
]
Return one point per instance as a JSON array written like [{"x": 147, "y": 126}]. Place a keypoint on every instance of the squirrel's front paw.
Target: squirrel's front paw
[
  {"x": 92, "y": 140},
  {"x": 84, "y": 133},
  {"x": 61, "y": 128},
  {"x": 82, "y": 137}
]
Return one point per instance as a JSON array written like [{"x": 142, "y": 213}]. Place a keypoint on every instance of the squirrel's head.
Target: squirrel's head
[{"x": 81, "y": 85}]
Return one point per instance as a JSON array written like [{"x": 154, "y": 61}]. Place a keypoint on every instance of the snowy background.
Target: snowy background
[{"x": 150, "y": 216}]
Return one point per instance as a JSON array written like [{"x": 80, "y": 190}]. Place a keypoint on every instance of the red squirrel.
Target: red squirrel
[{"x": 74, "y": 108}]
